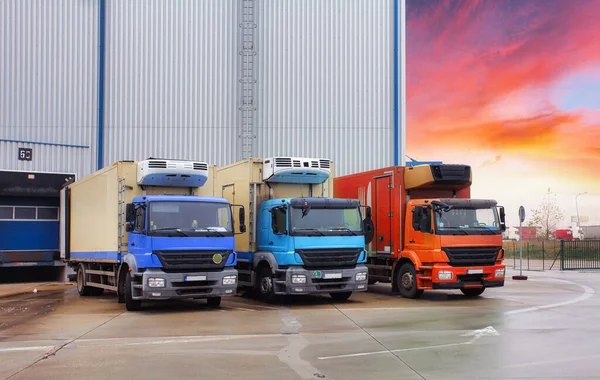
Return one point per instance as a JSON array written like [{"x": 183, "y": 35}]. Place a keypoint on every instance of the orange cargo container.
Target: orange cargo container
[{"x": 427, "y": 232}]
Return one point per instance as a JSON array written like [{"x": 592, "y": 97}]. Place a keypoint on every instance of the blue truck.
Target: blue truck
[
  {"x": 299, "y": 240},
  {"x": 150, "y": 230}
]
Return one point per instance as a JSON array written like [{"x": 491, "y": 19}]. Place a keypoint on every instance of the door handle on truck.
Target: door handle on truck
[
  {"x": 270, "y": 243},
  {"x": 411, "y": 241}
]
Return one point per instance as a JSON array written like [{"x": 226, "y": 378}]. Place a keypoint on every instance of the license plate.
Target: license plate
[
  {"x": 474, "y": 271},
  {"x": 194, "y": 278},
  {"x": 331, "y": 275}
]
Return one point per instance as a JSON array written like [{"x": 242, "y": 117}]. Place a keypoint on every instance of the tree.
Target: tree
[{"x": 547, "y": 215}]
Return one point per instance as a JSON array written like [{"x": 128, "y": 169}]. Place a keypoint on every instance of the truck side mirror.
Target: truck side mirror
[
  {"x": 368, "y": 230},
  {"x": 425, "y": 220},
  {"x": 130, "y": 213},
  {"x": 242, "y": 216},
  {"x": 368, "y": 226},
  {"x": 502, "y": 219},
  {"x": 417, "y": 215}
]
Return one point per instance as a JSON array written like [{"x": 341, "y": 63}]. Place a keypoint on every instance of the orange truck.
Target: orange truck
[{"x": 425, "y": 232}]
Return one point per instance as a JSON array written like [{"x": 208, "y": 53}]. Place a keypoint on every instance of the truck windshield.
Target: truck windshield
[
  {"x": 325, "y": 222},
  {"x": 171, "y": 218},
  {"x": 467, "y": 221}
]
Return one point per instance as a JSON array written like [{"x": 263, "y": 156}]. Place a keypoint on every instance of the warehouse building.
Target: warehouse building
[{"x": 85, "y": 83}]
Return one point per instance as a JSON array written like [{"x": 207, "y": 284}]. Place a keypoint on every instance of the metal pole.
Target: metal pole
[
  {"x": 577, "y": 208},
  {"x": 521, "y": 251}
]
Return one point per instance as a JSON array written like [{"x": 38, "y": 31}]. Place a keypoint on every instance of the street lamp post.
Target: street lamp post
[{"x": 577, "y": 208}]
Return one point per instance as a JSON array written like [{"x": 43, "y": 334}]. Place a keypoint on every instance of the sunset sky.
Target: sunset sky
[{"x": 511, "y": 87}]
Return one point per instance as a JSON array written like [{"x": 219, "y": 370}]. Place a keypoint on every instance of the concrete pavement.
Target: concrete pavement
[{"x": 545, "y": 327}]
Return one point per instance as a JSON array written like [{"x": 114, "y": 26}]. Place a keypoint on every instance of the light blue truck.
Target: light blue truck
[{"x": 299, "y": 240}]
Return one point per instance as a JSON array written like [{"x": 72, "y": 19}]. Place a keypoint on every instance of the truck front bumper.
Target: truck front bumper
[
  {"x": 447, "y": 277},
  {"x": 186, "y": 285},
  {"x": 289, "y": 281}
]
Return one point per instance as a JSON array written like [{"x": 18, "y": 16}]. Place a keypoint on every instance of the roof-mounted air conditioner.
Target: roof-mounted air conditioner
[
  {"x": 171, "y": 173},
  {"x": 296, "y": 170}
]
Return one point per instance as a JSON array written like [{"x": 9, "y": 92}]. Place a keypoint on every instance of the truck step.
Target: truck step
[
  {"x": 100, "y": 272},
  {"x": 374, "y": 266},
  {"x": 103, "y": 286},
  {"x": 138, "y": 286}
]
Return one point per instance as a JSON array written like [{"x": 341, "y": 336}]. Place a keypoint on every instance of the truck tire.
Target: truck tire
[
  {"x": 472, "y": 292},
  {"x": 130, "y": 303},
  {"x": 265, "y": 285},
  {"x": 83, "y": 290},
  {"x": 342, "y": 296},
  {"x": 407, "y": 282},
  {"x": 213, "y": 301}
]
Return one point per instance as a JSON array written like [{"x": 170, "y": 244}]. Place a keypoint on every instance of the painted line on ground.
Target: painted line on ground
[
  {"x": 30, "y": 348},
  {"x": 587, "y": 293},
  {"x": 476, "y": 334},
  {"x": 143, "y": 341}
]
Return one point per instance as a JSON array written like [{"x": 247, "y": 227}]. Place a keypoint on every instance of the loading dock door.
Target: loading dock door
[{"x": 29, "y": 217}]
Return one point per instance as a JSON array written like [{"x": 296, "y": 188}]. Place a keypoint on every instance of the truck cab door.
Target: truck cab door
[
  {"x": 138, "y": 241},
  {"x": 278, "y": 237},
  {"x": 420, "y": 235}
]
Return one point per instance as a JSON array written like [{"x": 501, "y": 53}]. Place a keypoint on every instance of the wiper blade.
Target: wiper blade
[
  {"x": 309, "y": 229},
  {"x": 171, "y": 229},
  {"x": 354, "y": 233},
  {"x": 214, "y": 230},
  {"x": 462, "y": 232},
  {"x": 487, "y": 230}
]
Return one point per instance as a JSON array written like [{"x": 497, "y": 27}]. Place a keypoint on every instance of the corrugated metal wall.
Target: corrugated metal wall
[
  {"x": 325, "y": 81},
  {"x": 48, "y": 92},
  {"x": 183, "y": 81},
  {"x": 171, "y": 80}
]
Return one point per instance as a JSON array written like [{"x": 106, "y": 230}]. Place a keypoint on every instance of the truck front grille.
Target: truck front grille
[
  {"x": 471, "y": 256},
  {"x": 192, "y": 260},
  {"x": 329, "y": 258}
]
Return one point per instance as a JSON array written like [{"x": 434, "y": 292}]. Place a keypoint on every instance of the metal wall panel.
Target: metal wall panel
[
  {"x": 171, "y": 80},
  {"x": 324, "y": 82},
  {"x": 48, "y": 83}
]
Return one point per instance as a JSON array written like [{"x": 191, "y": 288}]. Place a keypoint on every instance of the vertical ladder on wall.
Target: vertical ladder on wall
[{"x": 247, "y": 76}]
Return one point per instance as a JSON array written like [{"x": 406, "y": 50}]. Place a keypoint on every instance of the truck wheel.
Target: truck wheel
[
  {"x": 371, "y": 282},
  {"x": 407, "y": 282},
  {"x": 97, "y": 291},
  {"x": 213, "y": 301},
  {"x": 130, "y": 303},
  {"x": 472, "y": 292},
  {"x": 342, "y": 296},
  {"x": 265, "y": 285},
  {"x": 83, "y": 290}
]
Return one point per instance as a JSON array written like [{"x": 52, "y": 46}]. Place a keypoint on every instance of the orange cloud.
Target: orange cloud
[{"x": 478, "y": 78}]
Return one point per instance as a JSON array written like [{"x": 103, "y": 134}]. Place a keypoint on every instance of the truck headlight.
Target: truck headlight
[
  {"x": 445, "y": 275},
  {"x": 229, "y": 280},
  {"x": 156, "y": 282},
  {"x": 362, "y": 276},
  {"x": 298, "y": 279},
  {"x": 500, "y": 273}
]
